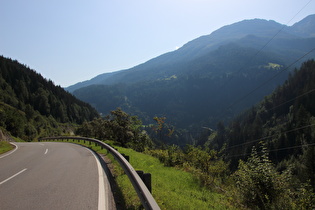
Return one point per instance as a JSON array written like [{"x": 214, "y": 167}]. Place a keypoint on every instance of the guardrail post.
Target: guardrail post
[
  {"x": 147, "y": 181},
  {"x": 125, "y": 156},
  {"x": 146, "y": 178}
]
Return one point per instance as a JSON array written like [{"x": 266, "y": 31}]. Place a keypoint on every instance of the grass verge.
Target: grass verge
[
  {"x": 5, "y": 147},
  {"x": 173, "y": 188}
]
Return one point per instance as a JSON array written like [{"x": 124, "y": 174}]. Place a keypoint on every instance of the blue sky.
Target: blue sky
[{"x": 69, "y": 41}]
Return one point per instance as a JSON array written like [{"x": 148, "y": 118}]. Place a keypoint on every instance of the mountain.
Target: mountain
[
  {"x": 305, "y": 27},
  {"x": 97, "y": 80},
  {"x": 31, "y": 106},
  {"x": 241, "y": 32},
  {"x": 196, "y": 84}
]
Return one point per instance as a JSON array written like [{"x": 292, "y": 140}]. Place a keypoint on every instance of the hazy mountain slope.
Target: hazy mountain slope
[
  {"x": 305, "y": 27},
  {"x": 240, "y": 32},
  {"x": 195, "y": 85},
  {"x": 198, "y": 95},
  {"x": 96, "y": 80}
]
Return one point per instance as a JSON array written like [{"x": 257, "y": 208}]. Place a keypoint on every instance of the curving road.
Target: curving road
[{"x": 53, "y": 175}]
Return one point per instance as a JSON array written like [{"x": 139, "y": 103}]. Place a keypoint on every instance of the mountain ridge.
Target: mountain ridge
[{"x": 204, "y": 44}]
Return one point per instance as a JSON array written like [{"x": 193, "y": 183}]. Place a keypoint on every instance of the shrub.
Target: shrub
[{"x": 260, "y": 186}]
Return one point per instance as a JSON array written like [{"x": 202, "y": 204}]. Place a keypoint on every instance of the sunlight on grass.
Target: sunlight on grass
[
  {"x": 273, "y": 66},
  {"x": 173, "y": 188}
]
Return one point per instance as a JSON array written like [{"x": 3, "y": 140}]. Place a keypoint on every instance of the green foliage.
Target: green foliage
[
  {"x": 205, "y": 165},
  {"x": 160, "y": 125},
  {"x": 5, "y": 146},
  {"x": 209, "y": 166},
  {"x": 119, "y": 126},
  {"x": 172, "y": 188},
  {"x": 261, "y": 186}
]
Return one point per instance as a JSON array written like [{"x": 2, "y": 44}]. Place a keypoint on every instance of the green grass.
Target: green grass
[
  {"x": 172, "y": 188},
  {"x": 5, "y": 147}
]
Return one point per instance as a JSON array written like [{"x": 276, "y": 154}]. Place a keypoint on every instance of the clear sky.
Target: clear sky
[{"x": 69, "y": 41}]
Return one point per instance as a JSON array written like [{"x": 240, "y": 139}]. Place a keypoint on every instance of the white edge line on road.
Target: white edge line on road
[
  {"x": 11, "y": 177},
  {"x": 9, "y": 153},
  {"x": 102, "y": 199},
  {"x": 46, "y": 151}
]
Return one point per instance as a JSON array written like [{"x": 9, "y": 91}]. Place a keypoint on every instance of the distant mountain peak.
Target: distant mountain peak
[{"x": 305, "y": 27}]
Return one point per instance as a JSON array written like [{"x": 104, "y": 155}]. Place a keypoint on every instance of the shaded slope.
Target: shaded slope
[{"x": 30, "y": 104}]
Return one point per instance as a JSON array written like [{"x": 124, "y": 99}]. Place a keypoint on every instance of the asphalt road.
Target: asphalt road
[{"x": 52, "y": 175}]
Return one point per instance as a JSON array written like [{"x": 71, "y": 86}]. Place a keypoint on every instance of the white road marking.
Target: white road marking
[
  {"x": 41, "y": 144},
  {"x": 11, "y": 177},
  {"x": 16, "y": 147},
  {"x": 46, "y": 151},
  {"x": 102, "y": 199}
]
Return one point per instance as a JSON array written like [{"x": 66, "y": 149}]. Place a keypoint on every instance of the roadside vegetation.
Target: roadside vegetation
[
  {"x": 201, "y": 176},
  {"x": 5, "y": 147},
  {"x": 173, "y": 188}
]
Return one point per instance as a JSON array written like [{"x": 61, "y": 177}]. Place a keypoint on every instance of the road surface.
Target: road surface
[{"x": 51, "y": 175}]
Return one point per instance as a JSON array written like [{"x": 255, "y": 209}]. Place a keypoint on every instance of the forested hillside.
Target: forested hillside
[
  {"x": 31, "y": 105},
  {"x": 284, "y": 121}
]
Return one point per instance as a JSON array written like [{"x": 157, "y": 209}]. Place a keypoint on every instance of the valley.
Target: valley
[{"x": 233, "y": 110}]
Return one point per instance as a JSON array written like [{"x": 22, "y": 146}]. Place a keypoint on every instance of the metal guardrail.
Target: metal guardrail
[{"x": 144, "y": 194}]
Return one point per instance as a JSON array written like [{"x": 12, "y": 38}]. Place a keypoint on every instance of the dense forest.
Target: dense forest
[{"x": 30, "y": 105}]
